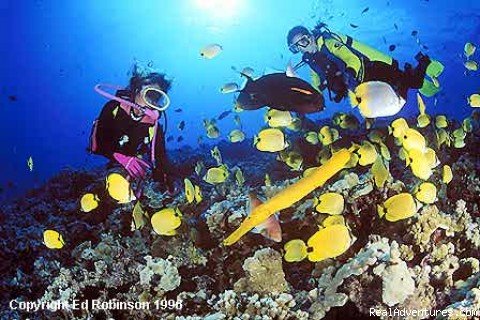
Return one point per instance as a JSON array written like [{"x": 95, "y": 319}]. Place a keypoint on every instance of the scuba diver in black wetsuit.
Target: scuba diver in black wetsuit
[
  {"x": 128, "y": 128},
  {"x": 341, "y": 63}
]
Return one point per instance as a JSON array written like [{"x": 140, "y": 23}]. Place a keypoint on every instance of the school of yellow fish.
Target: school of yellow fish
[{"x": 333, "y": 237}]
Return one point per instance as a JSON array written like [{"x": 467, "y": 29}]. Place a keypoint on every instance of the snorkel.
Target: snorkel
[{"x": 151, "y": 112}]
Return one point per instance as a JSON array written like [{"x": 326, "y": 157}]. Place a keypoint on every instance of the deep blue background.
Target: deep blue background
[{"x": 54, "y": 52}]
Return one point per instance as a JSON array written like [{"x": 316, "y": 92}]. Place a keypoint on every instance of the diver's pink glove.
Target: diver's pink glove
[{"x": 135, "y": 167}]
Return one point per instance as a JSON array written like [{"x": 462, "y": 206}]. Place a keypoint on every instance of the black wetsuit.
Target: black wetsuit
[
  {"x": 116, "y": 131},
  {"x": 335, "y": 77}
]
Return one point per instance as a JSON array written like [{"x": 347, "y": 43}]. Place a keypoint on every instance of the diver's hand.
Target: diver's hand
[{"x": 135, "y": 167}]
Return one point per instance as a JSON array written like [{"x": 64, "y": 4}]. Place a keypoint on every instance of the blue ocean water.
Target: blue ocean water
[{"x": 54, "y": 52}]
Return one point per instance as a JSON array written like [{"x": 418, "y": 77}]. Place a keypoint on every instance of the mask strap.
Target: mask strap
[{"x": 152, "y": 115}]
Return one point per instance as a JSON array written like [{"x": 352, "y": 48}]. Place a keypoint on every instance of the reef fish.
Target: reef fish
[
  {"x": 270, "y": 228},
  {"x": 376, "y": 99},
  {"x": 119, "y": 188},
  {"x": 291, "y": 194},
  {"x": 211, "y": 51},
  {"x": 89, "y": 202},
  {"x": 166, "y": 221},
  {"x": 52, "y": 239},
  {"x": 30, "y": 164},
  {"x": 270, "y": 140},
  {"x": 281, "y": 92}
]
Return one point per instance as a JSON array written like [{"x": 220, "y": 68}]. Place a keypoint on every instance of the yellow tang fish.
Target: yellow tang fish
[
  {"x": 215, "y": 152},
  {"x": 277, "y": 118},
  {"x": 333, "y": 220},
  {"x": 165, "y": 221},
  {"x": 398, "y": 207},
  {"x": 295, "y": 250},
  {"x": 469, "y": 49},
  {"x": 447, "y": 174},
  {"x": 420, "y": 164},
  {"x": 239, "y": 177},
  {"x": 89, "y": 202},
  {"x": 441, "y": 122},
  {"x": 474, "y": 100},
  {"x": 423, "y": 120},
  {"x": 329, "y": 242},
  {"x": 312, "y": 137},
  {"x": 268, "y": 181},
  {"x": 198, "y": 194},
  {"x": 270, "y": 140},
  {"x": 119, "y": 188},
  {"x": 236, "y": 136},
  {"x": 471, "y": 65},
  {"x": 328, "y": 135},
  {"x": 138, "y": 221},
  {"x": 330, "y": 203},
  {"x": 292, "y": 159},
  {"x": 412, "y": 139},
  {"x": 216, "y": 175},
  {"x": 380, "y": 172},
  {"x": 398, "y": 127},
  {"x": 426, "y": 192},
  {"x": 367, "y": 154},
  {"x": 52, "y": 239},
  {"x": 189, "y": 190}
]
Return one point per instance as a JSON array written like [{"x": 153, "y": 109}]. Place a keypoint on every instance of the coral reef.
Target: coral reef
[{"x": 426, "y": 262}]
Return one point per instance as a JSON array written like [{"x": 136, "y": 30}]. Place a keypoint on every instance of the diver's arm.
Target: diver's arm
[{"x": 104, "y": 134}]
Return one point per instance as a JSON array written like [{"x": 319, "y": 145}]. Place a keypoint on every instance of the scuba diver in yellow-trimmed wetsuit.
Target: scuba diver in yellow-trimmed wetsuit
[{"x": 340, "y": 64}]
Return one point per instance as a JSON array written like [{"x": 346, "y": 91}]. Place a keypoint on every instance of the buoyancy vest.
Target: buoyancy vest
[{"x": 351, "y": 52}]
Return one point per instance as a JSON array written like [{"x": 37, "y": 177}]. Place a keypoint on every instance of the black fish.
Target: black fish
[
  {"x": 224, "y": 114},
  {"x": 12, "y": 98},
  {"x": 414, "y": 33},
  {"x": 179, "y": 139},
  {"x": 170, "y": 138},
  {"x": 278, "y": 91},
  {"x": 392, "y": 47},
  {"x": 365, "y": 10},
  {"x": 384, "y": 40},
  {"x": 396, "y": 27},
  {"x": 181, "y": 125},
  {"x": 178, "y": 110},
  {"x": 353, "y": 25}
]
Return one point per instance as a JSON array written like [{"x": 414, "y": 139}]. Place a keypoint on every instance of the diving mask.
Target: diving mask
[
  {"x": 155, "y": 98},
  {"x": 303, "y": 42}
]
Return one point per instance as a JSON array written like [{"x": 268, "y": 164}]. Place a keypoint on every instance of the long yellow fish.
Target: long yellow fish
[{"x": 291, "y": 194}]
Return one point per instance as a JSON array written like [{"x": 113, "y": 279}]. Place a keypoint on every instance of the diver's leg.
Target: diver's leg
[
  {"x": 413, "y": 77},
  {"x": 381, "y": 71}
]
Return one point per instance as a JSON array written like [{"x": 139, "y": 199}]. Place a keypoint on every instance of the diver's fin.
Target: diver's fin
[
  {"x": 429, "y": 89},
  {"x": 435, "y": 69}
]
